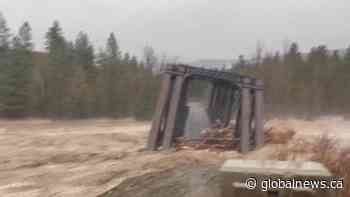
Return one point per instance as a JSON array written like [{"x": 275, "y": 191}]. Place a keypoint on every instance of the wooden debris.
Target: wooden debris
[
  {"x": 217, "y": 139},
  {"x": 279, "y": 135}
]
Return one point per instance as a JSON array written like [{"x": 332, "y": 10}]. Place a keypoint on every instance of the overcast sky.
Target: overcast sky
[{"x": 191, "y": 29}]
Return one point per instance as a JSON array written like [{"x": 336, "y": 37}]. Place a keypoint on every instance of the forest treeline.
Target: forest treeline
[
  {"x": 304, "y": 84},
  {"x": 71, "y": 79}
]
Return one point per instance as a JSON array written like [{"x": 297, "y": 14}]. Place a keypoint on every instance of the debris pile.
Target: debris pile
[
  {"x": 223, "y": 139},
  {"x": 279, "y": 134},
  {"x": 215, "y": 139}
]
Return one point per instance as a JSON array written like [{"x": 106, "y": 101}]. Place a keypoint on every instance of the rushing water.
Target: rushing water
[{"x": 197, "y": 120}]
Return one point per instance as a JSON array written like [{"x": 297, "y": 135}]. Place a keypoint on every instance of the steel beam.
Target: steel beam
[
  {"x": 219, "y": 102},
  {"x": 212, "y": 107},
  {"x": 258, "y": 114},
  {"x": 163, "y": 98},
  {"x": 228, "y": 108},
  {"x": 183, "y": 110},
  {"x": 238, "y": 128},
  {"x": 212, "y": 96},
  {"x": 169, "y": 132},
  {"x": 245, "y": 116},
  {"x": 170, "y": 114}
]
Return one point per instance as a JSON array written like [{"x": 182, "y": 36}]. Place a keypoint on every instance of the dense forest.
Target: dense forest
[
  {"x": 303, "y": 84},
  {"x": 70, "y": 79}
]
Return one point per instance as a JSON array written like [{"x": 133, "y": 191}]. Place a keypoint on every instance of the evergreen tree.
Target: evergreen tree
[
  {"x": 318, "y": 68},
  {"x": 66, "y": 83},
  {"x": 112, "y": 50},
  {"x": 293, "y": 56},
  {"x": 20, "y": 73},
  {"x": 55, "y": 44},
  {"x": 312, "y": 84},
  {"x": 110, "y": 77},
  {"x": 126, "y": 59},
  {"x": 134, "y": 61},
  {"x": 147, "y": 95},
  {"x": 5, "y": 88},
  {"x": 347, "y": 55},
  {"x": 25, "y": 36},
  {"x": 293, "y": 64},
  {"x": 57, "y": 73},
  {"x": 150, "y": 59},
  {"x": 85, "y": 76},
  {"x": 84, "y": 50},
  {"x": 241, "y": 64},
  {"x": 69, "y": 55},
  {"x": 4, "y": 33}
]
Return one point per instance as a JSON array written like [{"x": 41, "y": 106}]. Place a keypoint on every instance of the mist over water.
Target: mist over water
[{"x": 197, "y": 120}]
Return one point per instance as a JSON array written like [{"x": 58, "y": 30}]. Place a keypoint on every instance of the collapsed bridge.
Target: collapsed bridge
[{"x": 231, "y": 95}]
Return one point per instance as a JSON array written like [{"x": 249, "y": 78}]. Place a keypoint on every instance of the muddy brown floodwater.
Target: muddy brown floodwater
[
  {"x": 42, "y": 158},
  {"x": 66, "y": 158}
]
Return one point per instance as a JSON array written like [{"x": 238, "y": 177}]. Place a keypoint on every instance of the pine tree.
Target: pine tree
[
  {"x": 343, "y": 79},
  {"x": 145, "y": 97},
  {"x": 134, "y": 61},
  {"x": 55, "y": 44},
  {"x": 5, "y": 64},
  {"x": 241, "y": 64},
  {"x": 20, "y": 73},
  {"x": 86, "y": 72},
  {"x": 110, "y": 77},
  {"x": 331, "y": 94},
  {"x": 25, "y": 36},
  {"x": 293, "y": 56},
  {"x": 318, "y": 60},
  {"x": 112, "y": 50},
  {"x": 293, "y": 64},
  {"x": 57, "y": 73},
  {"x": 347, "y": 55},
  {"x": 69, "y": 55},
  {"x": 134, "y": 81},
  {"x": 150, "y": 59},
  {"x": 4, "y": 33},
  {"x": 84, "y": 50},
  {"x": 126, "y": 59}
]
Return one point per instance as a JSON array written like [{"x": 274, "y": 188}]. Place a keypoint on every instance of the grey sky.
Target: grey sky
[{"x": 191, "y": 29}]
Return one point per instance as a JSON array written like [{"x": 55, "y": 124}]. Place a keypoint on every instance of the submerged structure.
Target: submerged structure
[{"x": 232, "y": 97}]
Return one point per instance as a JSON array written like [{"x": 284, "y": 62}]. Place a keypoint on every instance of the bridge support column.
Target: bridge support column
[
  {"x": 258, "y": 113},
  {"x": 212, "y": 97},
  {"x": 183, "y": 110},
  {"x": 228, "y": 107},
  {"x": 213, "y": 101},
  {"x": 174, "y": 104},
  {"x": 171, "y": 111},
  {"x": 163, "y": 100},
  {"x": 245, "y": 126}
]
